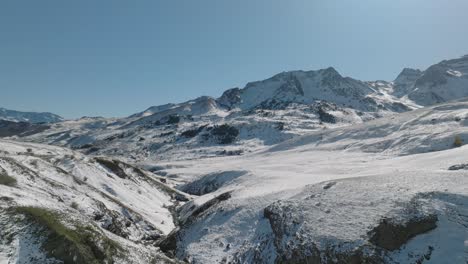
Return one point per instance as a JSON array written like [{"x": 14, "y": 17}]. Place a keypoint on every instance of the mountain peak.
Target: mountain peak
[
  {"x": 408, "y": 73},
  {"x": 331, "y": 71}
]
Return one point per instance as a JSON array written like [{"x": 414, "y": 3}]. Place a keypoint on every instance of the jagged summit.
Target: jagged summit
[
  {"x": 441, "y": 82},
  {"x": 408, "y": 73},
  {"x": 405, "y": 81}
]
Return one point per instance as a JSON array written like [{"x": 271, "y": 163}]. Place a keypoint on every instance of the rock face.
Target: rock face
[
  {"x": 459, "y": 167},
  {"x": 301, "y": 251},
  {"x": 211, "y": 182},
  {"x": 304, "y": 228},
  {"x": 405, "y": 81},
  {"x": 391, "y": 236}
]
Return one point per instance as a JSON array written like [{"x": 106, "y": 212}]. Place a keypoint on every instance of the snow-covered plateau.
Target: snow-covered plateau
[{"x": 303, "y": 167}]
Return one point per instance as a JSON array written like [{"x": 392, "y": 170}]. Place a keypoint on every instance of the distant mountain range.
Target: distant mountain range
[
  {"x": 262, "y": 113},
  {"x": 441, "y": 82},
  {"x": 31, "y": 117}
]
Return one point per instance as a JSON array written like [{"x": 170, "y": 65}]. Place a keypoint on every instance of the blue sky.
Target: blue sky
[{"x": 117, "y": 57}]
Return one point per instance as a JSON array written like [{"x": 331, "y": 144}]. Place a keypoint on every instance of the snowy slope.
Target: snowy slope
[
  {"x": 123, "y": 208},
  {"x": 428, "y": 129},
  {"x": 301, "y": 202},
  {"x": 31, "y": 117}
]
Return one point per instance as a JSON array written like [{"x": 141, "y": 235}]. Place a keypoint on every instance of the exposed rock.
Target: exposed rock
[
  {"x": 301, "y": 252},
  {"x": 459, "y": 167},
  {"x": 211, "y": 182},
  {"x": 225, "y": 134},
  {"x": 325, "y": 117},
  {"x": 169, "y": 243},
  {"x": 392, "y": 236},
  {"x": 113, "y": 166}
]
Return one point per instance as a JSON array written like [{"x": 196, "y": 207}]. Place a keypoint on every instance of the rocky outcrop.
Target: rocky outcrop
[
  {"x": 458, "y": 167},
  {"x": 211, "y": 182},
  {"x": 391, "y": 236},
  {"x": 294, "y": 242},
  {"x": 188, "y": 215},
  {"x": 285, "y": 225}
]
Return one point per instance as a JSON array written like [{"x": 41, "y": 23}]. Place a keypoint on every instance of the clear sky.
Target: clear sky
[{"x": 117, "y": 57}]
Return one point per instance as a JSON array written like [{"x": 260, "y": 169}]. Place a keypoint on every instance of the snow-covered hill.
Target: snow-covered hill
[
  {"x": 58, "y": 204},
  {"x": 31, "y": 117}
]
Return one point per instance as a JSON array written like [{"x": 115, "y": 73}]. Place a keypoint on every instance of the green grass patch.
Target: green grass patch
[
  {"x": 77, "y": 244},
  {"x": 7, "y": 180}
]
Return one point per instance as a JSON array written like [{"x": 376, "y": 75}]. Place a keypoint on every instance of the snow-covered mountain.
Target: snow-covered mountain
[
  {"x": 261, "y": 114},
  {"x": 308, "y": 87},
  {"x": 441, "y": 82},
  {"x": 303, "y": 167},
  {"x": 31, "y": 117}
]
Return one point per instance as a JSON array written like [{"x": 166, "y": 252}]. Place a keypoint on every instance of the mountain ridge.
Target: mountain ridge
[
  {"x": 261, "y": 114},
  {"x": 31, "y": 117}
]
